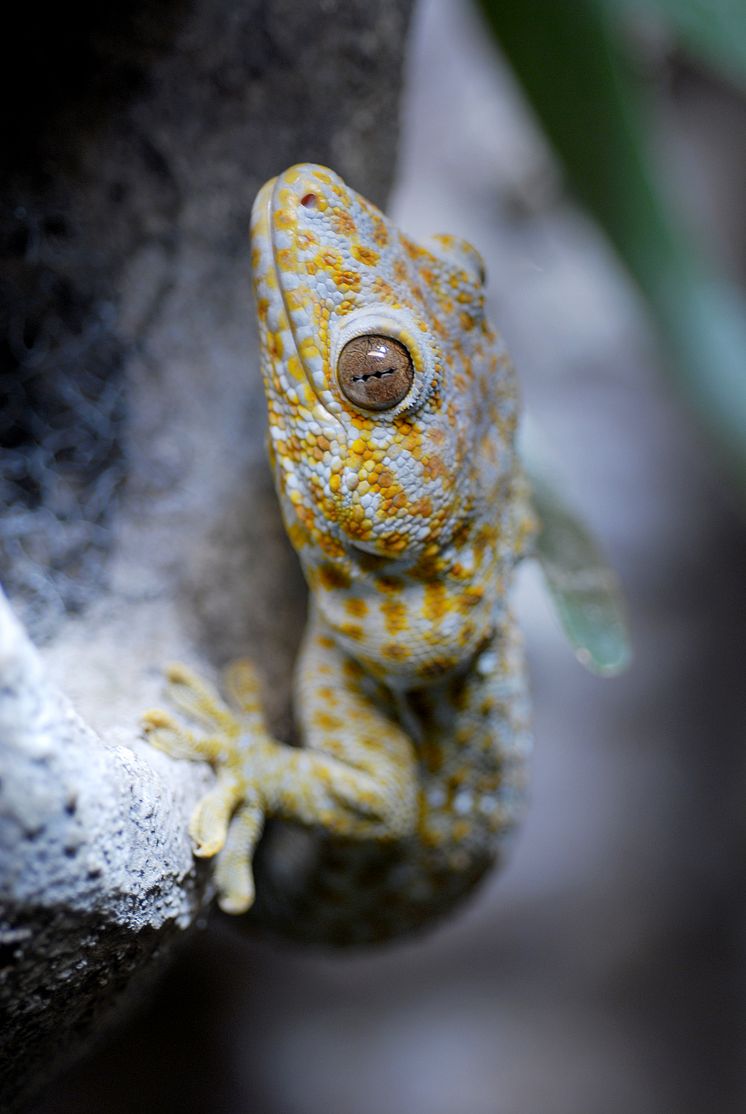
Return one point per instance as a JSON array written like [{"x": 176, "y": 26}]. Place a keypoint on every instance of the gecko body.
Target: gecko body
[{"x": 392, "y": 416}]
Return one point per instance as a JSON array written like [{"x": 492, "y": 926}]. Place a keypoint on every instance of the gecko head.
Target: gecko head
[{"x": 383, "y": 381}]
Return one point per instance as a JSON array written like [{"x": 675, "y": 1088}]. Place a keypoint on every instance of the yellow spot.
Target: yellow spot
[
  {"x": 327, "y": 722},
  {"x": 348, "y": 280},
  {"x": 436, "y": 602},
  {"x": 329, "y": 259},
  {"x": 394, "y": 615},
  {"x": 284, "y": 218},
  {"x": 365, "y": 255},
  {"x": 275, "y": 346},
  {"x": 307, "y": 348},
  {"x": 295, "y": 368}
]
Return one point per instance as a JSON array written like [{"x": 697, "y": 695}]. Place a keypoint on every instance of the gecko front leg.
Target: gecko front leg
[{"x": 355, "y": 778}]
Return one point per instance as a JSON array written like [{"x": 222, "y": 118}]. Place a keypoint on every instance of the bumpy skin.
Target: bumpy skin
[{"x": 410, "y": 694}]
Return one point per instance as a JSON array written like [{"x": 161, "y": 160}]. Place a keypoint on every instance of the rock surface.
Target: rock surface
[{"x": 141, "y": 524}]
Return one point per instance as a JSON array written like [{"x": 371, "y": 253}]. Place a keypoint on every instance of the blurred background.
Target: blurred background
[{"x": 597, "y": 158}]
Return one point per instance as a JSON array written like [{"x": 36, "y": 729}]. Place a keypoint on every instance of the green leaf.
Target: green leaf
[
  {"x": 712, "y": 30},
  {"x": 584, "y": 589},
  {"x": 569, "y": 57}
]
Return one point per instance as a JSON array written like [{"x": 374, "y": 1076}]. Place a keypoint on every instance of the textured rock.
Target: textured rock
[
  {"x": 141, "y": 523},
  {"x": 97, "y": 873}
]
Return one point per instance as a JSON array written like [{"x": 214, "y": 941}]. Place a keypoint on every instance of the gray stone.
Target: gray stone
[{"x": 139, "y": 520}]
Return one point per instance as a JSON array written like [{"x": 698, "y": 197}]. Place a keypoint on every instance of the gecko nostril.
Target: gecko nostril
[{"x": 309, "y": 201}]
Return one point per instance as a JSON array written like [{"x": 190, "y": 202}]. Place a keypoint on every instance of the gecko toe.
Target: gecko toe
[{"x": 233, "y": 874}]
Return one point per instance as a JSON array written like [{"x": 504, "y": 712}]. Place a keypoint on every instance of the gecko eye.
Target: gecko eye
[{"x": 375, "y": 372}]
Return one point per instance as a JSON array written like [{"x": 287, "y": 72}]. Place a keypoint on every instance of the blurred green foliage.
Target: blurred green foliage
[
  {"x": 571, "y": 57},
  {"x": 714, "y": 30}
]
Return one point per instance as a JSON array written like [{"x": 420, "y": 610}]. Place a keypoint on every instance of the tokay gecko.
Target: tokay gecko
[{"x": 393, "y": 412}]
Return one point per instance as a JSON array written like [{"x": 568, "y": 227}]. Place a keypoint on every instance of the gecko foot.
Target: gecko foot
[{"x": 228, "y": 821}]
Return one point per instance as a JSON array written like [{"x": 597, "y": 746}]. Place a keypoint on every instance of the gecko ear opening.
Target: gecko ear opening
[
  {"x": 375, "y": 372},
  {"x": 461, "y": 254}
]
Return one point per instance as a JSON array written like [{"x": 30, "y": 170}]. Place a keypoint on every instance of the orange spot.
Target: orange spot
[
  {"x": 305, "y": 240},
  {"x": 327, "y": 722},
  {"x": 423, "y": 507},
  {"x": 384, "y": 291},
  {"x": 386, "y": 479},
  {"x": 348, "y": 280},
  {"x": 352, "y": 669},
  {"x": 274, "y": 345},
  {"x": 436, "y": 602},
  {"x": 414, "y": 251},
  {"x": 471, "y": 598},
  {"x": 333, "y": 578},
  {"x": 329, "y": 259},
  {"x": 400, "y": 271},
  {"x": 394, "y": 615},
  {"x": 365, "y": 255},
  {"x": 356, "y": 607},
  {"x": 342, "y": 222},
  {"x": 352, "y": 631},
  {"x": 380, "y": 233}
]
